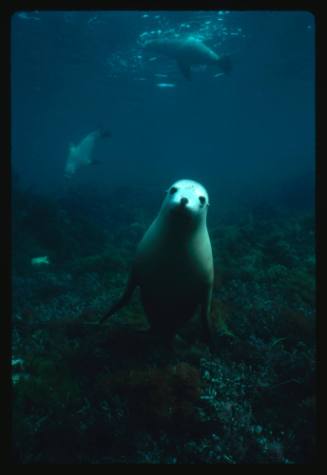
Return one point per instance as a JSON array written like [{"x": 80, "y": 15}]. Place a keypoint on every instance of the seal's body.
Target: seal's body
[
  {"x": 187, "y": 52},
  {"x": 173, "y": 265},
  {"x": 81, "y": 155}
]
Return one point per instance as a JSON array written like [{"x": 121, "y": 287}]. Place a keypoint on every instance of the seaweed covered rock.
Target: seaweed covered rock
[
  {"x": 157, "y": 397},
  {"x": 111, "y": 394}
]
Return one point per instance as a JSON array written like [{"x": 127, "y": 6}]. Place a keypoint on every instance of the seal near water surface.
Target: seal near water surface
[
  {"x": 188, "y": 52},
  {"x": 173, "y": 265}
]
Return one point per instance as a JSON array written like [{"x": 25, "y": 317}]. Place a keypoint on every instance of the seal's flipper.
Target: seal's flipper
[
  {"x": 104, "y": 132},
  {"x": 185, "y": 69},
  {"x": 96, "y": 162},
  {"x": 124, "y": 300},
  {"x": 205, "y": 315},
  {"x": 225, "y": 64}
]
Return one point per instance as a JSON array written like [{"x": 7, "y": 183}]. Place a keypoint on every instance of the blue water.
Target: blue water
[{"x": 247, "y": 134}]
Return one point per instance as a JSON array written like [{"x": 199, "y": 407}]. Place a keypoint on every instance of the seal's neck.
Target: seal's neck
[{"x": 180, "y": 229}]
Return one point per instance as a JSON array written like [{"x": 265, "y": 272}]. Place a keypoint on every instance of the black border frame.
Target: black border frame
[{"x": 8, "y": 8}]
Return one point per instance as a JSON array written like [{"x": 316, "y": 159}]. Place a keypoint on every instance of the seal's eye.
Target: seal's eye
[
  {"x": 173, "y": 190},
  {"x": 202, "y": 200}
]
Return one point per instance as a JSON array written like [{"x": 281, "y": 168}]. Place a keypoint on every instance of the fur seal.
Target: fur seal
[
  {"x": 173, "y": 265},
  {"x": 188, "y": 52},
  {"x": 81, "y": 155}
]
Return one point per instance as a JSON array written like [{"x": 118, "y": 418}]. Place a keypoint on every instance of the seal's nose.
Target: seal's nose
[{"x": 184, "y": 201}]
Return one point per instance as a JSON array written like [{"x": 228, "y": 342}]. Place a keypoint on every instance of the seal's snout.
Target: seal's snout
[{"x": 184, "y": 201}]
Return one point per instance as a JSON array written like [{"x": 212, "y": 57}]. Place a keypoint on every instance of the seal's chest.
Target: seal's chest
[{"x": 173, "y": 271}]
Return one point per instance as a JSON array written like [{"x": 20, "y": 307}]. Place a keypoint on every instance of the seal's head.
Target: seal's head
[{"x": 186, "y": 203}]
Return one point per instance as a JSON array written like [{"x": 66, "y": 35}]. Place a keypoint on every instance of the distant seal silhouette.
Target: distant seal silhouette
[
  {"x": 173, "y": 265},
  {"x": 187, "y": 52},
  {"x": 81, "y": 155}
]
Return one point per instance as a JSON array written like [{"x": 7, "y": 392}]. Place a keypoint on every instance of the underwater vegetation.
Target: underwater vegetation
[{"x": 111, "y": 395}]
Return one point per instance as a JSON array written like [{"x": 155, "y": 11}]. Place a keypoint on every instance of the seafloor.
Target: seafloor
[{"x": 84, "y": 394}]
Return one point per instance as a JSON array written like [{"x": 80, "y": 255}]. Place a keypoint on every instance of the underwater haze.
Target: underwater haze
[
  {"x": 108, "y": 111},
  {"x": 249, "y": 133}
]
